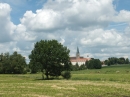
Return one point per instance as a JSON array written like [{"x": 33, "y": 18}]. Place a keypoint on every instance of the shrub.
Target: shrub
[{"x": 66, "y": 75}]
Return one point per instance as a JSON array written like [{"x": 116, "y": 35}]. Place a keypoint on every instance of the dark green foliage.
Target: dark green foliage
[
  {"x": 94, "y": 64},
  {"x": 86, "y": 63},
  {"x": 127, "y": 61},
  {"x": 66, "y": 75},
  {"x": 82, "y": 67},
  {"x": 50, "y": 57},
  {"x": 27, "y": 69},
  {"x": 17, "y": 63},
  {"x": 114, "y": 60},
  {"x": 90, "y": 64},
  {"x": 98, "y": 64},
  {"x": 34, "y": 67},
  {"x": 121, "y": 61},
  {"x": 14, "y": 63},
  {"x": 75, "y": 67},
  {"x": 107, "y": 62}
]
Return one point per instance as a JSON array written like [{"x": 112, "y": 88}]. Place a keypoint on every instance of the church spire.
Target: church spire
[
  {"x": 77, "y": 50},
  {"x": 77, "y": 53}
]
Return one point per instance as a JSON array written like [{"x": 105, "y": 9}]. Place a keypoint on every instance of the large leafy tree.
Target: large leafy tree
[{"x": 51, "y": 57}]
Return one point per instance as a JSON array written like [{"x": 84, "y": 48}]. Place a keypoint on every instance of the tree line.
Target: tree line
[
  {"x": 52, "y": 59},
  {"x": 12, "y": 64},
  {"x": 114, "y": 60},
  {"x": 91, "y": 64},
  {"x": 48, "y": 56}
]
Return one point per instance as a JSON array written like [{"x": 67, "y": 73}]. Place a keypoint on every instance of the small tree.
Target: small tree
[
  {"x": 18, "y": 63},
  {"x": 90, "y": 64},
  {"x": 94, "y": 64},
  {"x": 97, "y": 64}
]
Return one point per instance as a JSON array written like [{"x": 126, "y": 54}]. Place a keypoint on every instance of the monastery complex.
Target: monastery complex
[{"x": 78, "y": 59}]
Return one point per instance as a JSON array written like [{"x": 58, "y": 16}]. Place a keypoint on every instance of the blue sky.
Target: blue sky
[
  {"x": 19, "y": 7},
  {"x": 100, "y": 28},
  {"x": 122, "y": 4}
]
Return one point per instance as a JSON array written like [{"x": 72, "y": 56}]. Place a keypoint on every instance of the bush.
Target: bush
[
  {"x": 66, "y": 75},
  {"x": 24, "y": 72}
]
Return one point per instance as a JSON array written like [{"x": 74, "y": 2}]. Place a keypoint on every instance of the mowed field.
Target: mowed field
[{"x": 113, "y": 81}]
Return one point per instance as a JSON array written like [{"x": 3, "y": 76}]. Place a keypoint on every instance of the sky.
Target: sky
[{"x": 99, "y": 28}]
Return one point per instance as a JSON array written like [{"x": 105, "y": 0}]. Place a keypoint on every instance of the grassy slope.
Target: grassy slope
[{"x": 106, "y": 82}]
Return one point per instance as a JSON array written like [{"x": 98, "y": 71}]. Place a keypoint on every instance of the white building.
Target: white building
[{"x": 78, "y": 59}]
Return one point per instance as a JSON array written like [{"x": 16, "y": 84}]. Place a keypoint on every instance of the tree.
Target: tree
[
  {"x": 86, "y": 63},
  {"x": 6, "y": 63},
  {"x": 94, "y": 64},
  {"x": 52, "y": 57},
  {"x": 90, "y": 64},
  {"x": 127, "y": 61},
  {"x": 34, "y": 66},
  {"x": 121, "y": 60},
  {"x": 18, "y": 63},
  {"x": 97, "y": 64}
]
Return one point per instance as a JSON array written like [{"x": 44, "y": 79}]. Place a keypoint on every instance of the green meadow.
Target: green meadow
[{"x": 112, "y": 81}]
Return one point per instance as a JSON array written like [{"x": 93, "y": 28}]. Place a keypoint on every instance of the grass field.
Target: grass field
[{"x": 113, "y": 81}]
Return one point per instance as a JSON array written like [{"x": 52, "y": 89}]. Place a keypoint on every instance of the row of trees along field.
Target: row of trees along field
[
  {"x": 92, "y": 64},
  {"x": 12, "y": 64},
  {"x": 52, "y": 59},
  {"x": 48, "y": 56},
  {"x": 114, "y": 60}
]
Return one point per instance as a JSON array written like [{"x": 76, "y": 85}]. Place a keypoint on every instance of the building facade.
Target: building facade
[{"x": 77, "y": 59}]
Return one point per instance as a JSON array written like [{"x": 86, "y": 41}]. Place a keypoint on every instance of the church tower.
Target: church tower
[{"x": 77, "y": 54}]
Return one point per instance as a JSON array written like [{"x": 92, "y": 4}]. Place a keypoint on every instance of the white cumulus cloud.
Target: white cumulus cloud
[
  {"x": 82, "y": 23},
  {"x": 6, "y": 26}
]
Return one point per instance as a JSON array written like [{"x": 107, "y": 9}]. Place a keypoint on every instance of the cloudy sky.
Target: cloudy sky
[{"x": 100, "y": 28}]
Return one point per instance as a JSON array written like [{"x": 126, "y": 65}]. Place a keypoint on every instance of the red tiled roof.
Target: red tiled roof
[
  {"x": 75, "y": 58},
  {"x": 80, "y": 60}
]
